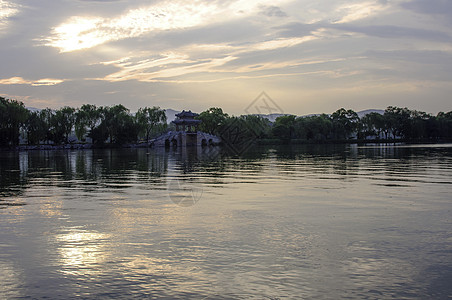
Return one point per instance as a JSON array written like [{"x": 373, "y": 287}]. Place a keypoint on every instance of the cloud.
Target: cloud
[
  {"x": 177, "y": 63},
  {"x": 99, "y": 0},
  {"x": 426, "y": 65},
  {"x": 86, "y": 32},
  {"x": 169, "y": 66},
  {"x": 7, "y": 10},
  {"x": 436, "y": 7},
  {"x": 273, "y": 11},
  {"x": 39, "y": 82},
  {"x": 357, "y": 11},
  {"x": 204, "y": 52},
  {"x": 398, "y": 32},
  {"x": 297, "y": 29}
]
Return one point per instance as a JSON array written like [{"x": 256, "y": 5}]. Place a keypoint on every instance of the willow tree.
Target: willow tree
[
  {"x": 13, "y": 116},
  {"x": 151, "y": 120},
  {"x": 345, "y": 123},
  {"x": 87, "y": 117},
  {"x": 212, "y": 120}
]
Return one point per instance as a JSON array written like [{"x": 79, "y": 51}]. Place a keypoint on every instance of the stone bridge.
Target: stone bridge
[{"x": 183, "y": 139}]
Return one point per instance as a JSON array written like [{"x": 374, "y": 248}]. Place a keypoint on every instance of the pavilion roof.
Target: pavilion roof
[{"x": 186, "y": 114}]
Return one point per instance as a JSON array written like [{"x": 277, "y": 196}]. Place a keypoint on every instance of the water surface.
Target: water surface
[{"x": 322, "y": 222}]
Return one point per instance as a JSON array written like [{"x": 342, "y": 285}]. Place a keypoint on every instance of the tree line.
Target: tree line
[
  {"x": 117, "y": 125},
  {"x": 394, "y": 124},
  {"x": 114, "y": 124}
]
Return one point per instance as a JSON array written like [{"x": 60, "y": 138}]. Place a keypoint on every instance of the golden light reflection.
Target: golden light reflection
[
  {"x": 51, "y": 206},
  {"x": 10, "y": 281},
  {"x": 81, "y": 250},
  {"x": 151, "y": 265},
  {"x": 51, "y": 209}
]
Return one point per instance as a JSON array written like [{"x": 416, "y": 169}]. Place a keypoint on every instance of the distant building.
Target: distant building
[
  {"x": 186, "y": 134},
  {"x": 185, "y": 121}
]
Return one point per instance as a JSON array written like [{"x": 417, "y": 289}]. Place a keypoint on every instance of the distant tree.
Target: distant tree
[
  {"x": 119, "y": 125},
  {"x": 419, "y": 125},
  {"x": 86, "y": 120},
  {"x": 212, "y": 119},
  {"x": 36, "y": 128},
  {"x": 100, "y": 133},
  {"x": 56, "y": 133},
  {"x": 444, "y": 121},
  {"x": 240, "y": 131},
  {"x": 313, "y": 127},
  {"x": 13, "y": 116},
  {"x": 260, "y": 126},
  {"x": 325, "y": 125},
  {"x": 46, "y": 116},
  {"x": 60, "y": 123},
  {"x": 397, "y": 121},
  {"x": 66, "y": 119},
  {"x": 151, "y": 120},
  {"x": 372, "y": 124},
  {"x": 345, "y": 123},
  {"x": 116, "y": 125},
  {"x": 284, "y": 127}
]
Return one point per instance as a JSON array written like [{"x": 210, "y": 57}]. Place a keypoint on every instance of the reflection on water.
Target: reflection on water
[
  {"x": 313, "y": 221},
  {"x": 81, "y": 252}
]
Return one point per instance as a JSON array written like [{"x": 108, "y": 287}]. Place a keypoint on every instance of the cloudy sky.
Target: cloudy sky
[{"x": 308, "y": 56}]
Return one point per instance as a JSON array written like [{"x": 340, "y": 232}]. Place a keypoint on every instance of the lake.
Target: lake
[{"x": 278, "y": 222}]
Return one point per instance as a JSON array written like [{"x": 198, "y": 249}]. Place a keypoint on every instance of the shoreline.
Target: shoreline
[
  {"x": 351, "y": 141},
  {"x": 259, "y": 142}
]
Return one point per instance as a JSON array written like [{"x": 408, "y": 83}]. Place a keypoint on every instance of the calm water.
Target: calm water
[{"x": 323, "y": 222}]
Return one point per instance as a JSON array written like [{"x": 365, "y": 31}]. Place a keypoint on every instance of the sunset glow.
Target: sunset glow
[{"x": 201, "y": 54}]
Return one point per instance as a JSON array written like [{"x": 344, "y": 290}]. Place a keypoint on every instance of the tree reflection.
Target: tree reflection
[
  {"x": 123, "y": 168},
  {"x": 13, "y": 174}
]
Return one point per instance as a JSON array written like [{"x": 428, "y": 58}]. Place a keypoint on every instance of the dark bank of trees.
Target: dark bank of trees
[
  {"x": 394, "y": 124},
  {"x": 116, "y": 125},
  {"x": 103, "y": 124}
]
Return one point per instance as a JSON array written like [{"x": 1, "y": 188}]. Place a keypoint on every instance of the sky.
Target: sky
[{"x": 306, "y": 56}]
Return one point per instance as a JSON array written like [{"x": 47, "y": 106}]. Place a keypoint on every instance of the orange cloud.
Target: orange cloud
[{"x": 39, "y": 82}]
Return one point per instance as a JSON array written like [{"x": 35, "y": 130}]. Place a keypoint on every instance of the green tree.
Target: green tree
[
  {"x": 373, "y": 124},
  {"x": 397, "y": 121},
  {"x": 260, "y": 126},
  {"x": 212, "y": 120},
  {"x": 13, "y": 116},
  {"x": 284, "y": 127},
  {"x": 46, "y": 115},
  {"x": 239, "y": 131},
  {"x": 418, "y": 125},
  {"x": 86, "y": 120},
  {"x": 151, "y": 121},
  {"x": 119, "y": 125},
  {"x": 66, "y": 118},
  {"x": 60, "y": 123},
  {"x": 36, "y": 128},
  {"x": 444, "y": 121},
  {"x": 313, "y": 127},
  {"x": 345, "y": 123}
]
